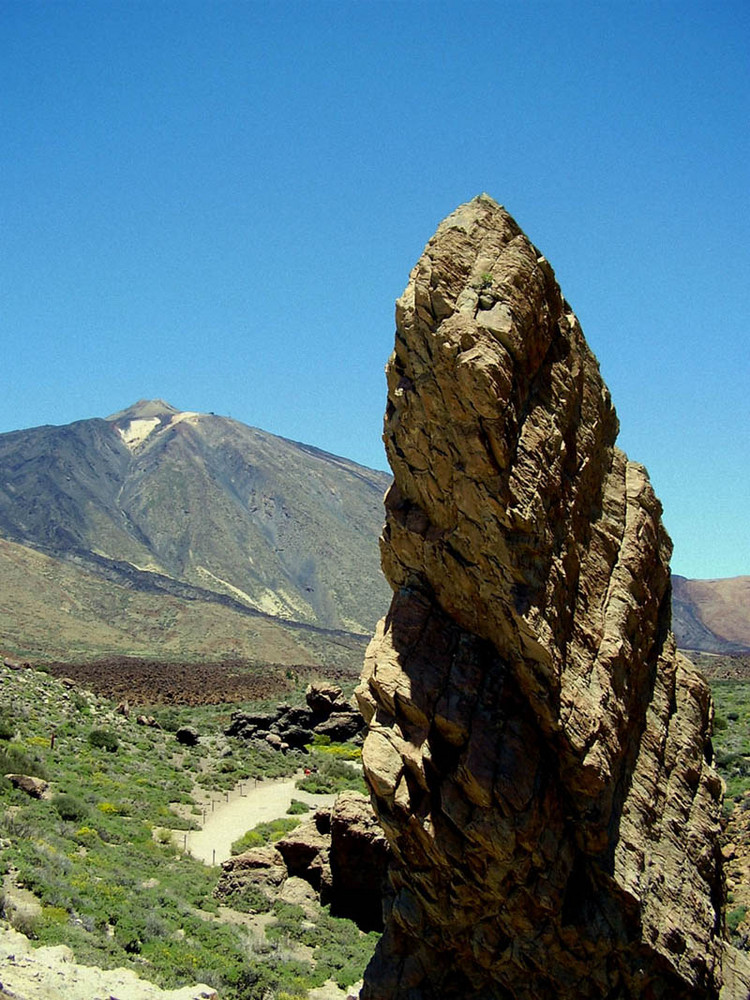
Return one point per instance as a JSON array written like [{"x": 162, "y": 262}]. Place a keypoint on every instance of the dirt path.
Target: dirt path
[{"x": 248, "y": 804}]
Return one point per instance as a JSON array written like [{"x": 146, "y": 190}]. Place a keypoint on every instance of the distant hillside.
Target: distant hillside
[
  {"x": 712, "y": 615},
  {"x": 52, "y": 609},
  {"x": 159, "y": 500}
]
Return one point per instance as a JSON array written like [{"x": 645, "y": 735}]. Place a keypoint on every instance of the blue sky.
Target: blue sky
[{"x": 217, "y": 203}]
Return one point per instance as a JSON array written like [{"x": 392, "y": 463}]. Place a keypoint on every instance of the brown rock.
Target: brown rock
[
  {"x": 340, "y": 726},
  {"x": 187, "y": 736},
  {"x": 34, "y": 787},
  {"x": 324, "y": 697},
  {"x": 358, "y": 862},
  {"x": 538, "y": 752},
  {"x": 262, "y": 867},
  {"x": 343, "y": 855},
  {"x": 15, "y": 664},
  {"x": 305, "y": 850}
]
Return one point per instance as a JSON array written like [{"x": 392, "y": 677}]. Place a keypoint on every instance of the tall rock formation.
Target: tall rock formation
[{"x": 539, "y": 753}]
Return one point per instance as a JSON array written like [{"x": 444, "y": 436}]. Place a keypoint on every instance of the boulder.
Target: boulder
[
  {"x": 341, "y": 726},
  {"x": 188, "y": 736},
  {"x": 296, "y": 715},
  {"x": 34, "y": 787},
  {"x": 247, "y": 724},
  {"x": 358, "y": 861},
  {"x": 324, "y": 697},
  {"x": 538, "y": 752},
  {"x": 340, "y": 854},
  {"x": 15, "y": 664},
  {"x": 294, "y": 736},
  {"x": 262, "y": 867},
  {"x": 305, "y": 850}
]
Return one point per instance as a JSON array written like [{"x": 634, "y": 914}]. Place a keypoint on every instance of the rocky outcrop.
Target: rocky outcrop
[
  {"x": 340, "y": 852},
  {"x": 538, "y": 752},
  {"x": 327, "y": 713}
]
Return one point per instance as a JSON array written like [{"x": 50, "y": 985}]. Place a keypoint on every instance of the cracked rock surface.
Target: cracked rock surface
[{"x": 538, "y": 752}]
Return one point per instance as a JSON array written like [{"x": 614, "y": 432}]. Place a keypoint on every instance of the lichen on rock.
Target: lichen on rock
[{"x": 538, "y": 752}]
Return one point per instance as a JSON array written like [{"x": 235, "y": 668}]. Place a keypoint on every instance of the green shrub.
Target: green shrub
[
  {"x": 69, "y": 807},
  {"x": 249, "y": 899},
  {"x": 341, "y": 950},
  {"x": 80, "y": 704},
  {"x": 297, "y": 808},
  {"x": 169, "y": 719},
  {"x": 7, "y": 728},
  {"x": 333, "y": 775},
  {"x": 735, "y": 918},
  {"x": 288, "y": 924},
  {"x": 15, "y": 760},
  {"x": 104, "y": 739},
  {"x": 264, "y": 833}
]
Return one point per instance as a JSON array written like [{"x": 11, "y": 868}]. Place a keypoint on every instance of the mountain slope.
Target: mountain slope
[
  {"x": 712, "y": 615},
  {"x": 203, "y": 501},
  {"x": 55, "y": 609}
]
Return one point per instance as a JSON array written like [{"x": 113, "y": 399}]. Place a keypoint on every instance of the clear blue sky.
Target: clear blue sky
[{"x": 217, "y": 203}]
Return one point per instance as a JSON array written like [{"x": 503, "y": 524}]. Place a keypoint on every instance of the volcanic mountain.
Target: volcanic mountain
[
  {"x": 712, "y": 616},
  {"x": 201, "y": 506}
]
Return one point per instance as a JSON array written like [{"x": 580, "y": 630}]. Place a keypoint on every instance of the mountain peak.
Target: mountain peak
[
  {"x": 139, "y": 421},
  {"x": 145, "y": 409}
]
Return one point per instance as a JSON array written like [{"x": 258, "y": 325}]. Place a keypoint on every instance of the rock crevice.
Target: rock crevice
[{"x": 538, "y": 752}]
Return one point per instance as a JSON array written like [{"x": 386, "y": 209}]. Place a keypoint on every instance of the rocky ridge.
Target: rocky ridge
[
  {"x": 327, "y": 714},
  {"x": 539, "y": 753}
]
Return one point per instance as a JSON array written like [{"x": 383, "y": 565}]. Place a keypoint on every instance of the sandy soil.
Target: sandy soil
[
  {"x": 248, "y": 804},
  {"x": 28, "y": 973}
]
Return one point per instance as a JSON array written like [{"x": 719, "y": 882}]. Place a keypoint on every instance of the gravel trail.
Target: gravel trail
[{"x": 249, "y": 803}]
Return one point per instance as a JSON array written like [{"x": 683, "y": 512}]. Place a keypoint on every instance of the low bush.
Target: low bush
[
  {"x": 69, "y": 807},
  {"x": 332, "y": 775},
  {"x": 249, "y": 899},
  {"x": 15, "y": 760},
  {"x": 735, "y": 918},
  {"x": 104, "y": 739},
  {"x": 297, "y": 808},
  {"x": 264, "y": 833}
]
